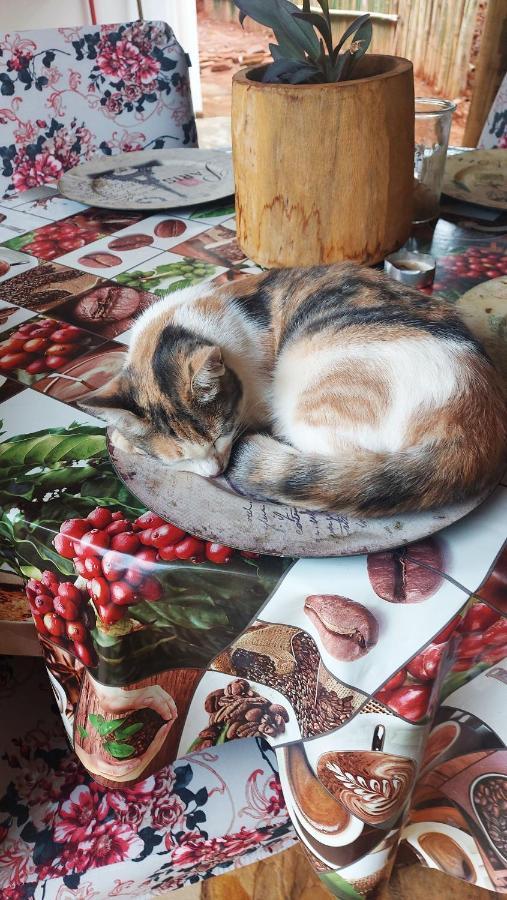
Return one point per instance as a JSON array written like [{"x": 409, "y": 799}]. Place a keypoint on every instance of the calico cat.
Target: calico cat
[{"x": 377, "y": 397}]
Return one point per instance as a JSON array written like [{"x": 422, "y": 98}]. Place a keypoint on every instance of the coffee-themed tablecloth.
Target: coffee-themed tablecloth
[{"x": 380, "y": 679}]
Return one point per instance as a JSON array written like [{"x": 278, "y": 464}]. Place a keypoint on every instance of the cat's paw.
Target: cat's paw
[
  {"x": 120, "y": 442},
  {"x": 250, "y": 462}
]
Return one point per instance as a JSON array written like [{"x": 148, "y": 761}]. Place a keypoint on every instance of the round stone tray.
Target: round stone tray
[{"x": 204, "y": 508}]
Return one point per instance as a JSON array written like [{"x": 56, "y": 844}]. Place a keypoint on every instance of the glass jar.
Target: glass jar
[{"x": 432, "y": 126}]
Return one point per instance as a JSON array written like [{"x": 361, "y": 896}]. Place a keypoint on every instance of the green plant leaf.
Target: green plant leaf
[
  {"x": 104, "y": 726},
  {"x": 123, "y": 733},
  {"x": 119, "y": 751},
  {"x": 320, "y": 24},
  {"x": 352, "y": 29},
  {"x": 294, "y": 38},
  {"x": 83, "y": 732}
]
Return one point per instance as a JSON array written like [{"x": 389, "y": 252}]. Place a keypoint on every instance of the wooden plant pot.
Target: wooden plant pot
[{"x": 324, "y": 172}]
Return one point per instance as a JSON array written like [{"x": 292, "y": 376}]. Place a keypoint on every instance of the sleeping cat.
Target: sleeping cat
[{"x": 378, "y": 398}]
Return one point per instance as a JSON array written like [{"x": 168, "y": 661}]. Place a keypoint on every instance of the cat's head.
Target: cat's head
[{"x": 175, "y": 399}]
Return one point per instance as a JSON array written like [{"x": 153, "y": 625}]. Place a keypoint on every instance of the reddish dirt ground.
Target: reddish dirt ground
[{"x": 224, "y": 47}]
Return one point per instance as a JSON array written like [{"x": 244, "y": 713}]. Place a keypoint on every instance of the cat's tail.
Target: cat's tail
[{"x": 362, "y": 482}]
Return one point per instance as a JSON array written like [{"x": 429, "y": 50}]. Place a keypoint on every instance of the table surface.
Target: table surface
[{"x": 196, "y": 653}]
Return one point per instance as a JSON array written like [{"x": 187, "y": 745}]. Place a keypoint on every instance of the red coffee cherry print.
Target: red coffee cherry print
[
  {"x": 99, "y": 590},
  {"x": 100, "y": 517},
  {"x": 190, "y": 548},
  {"x": 150, "y": 589},
  {"x": 84, "y": 653},
  {"x": 65, "y": 608},
  {"x": 93, "y": 543},
  {"x": 166, "y": 534},
  {"x": 116, "y": 516},
  {"x": 134, "y": 576},
  {"x": 168, "y": 553},
  {"x": 69, "y": 591},
  {"x": 109, "y": 614},
  {"x": 411, "y": 701},
  {"x": 39, "y": 624},
  {"x": 146, "y": 537},
  {"x": 42, "y": 604},
  {"x": 54, "y": 624},
  {"x": 118, "y": 526},
  {"x": 147, "y": 558},
  {"x": 64, "y": 546},
  {"x": 92, "y": 567},
  {"x": 125, "y": 543},
  {"x": 122, "y": 594},
  {"x": 218, "y": 553},
  {"x": 50, "y": 580},
  {"x": 79, "y": 565},
  {"x": 148, "y": 520},
  {"x": 33, "y": 587},
  {"x": 76, "y": 631},
  {"x": 479, "y": 617},
  {"x": 113, "y": 565}
]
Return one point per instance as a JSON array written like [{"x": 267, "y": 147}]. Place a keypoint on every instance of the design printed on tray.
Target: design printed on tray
[
  {"x": 40, "y": 346},
  {"x": 151, "y": 180},
  {"x": 45, "y": 286},
  {"x": 287, "y": 659}
]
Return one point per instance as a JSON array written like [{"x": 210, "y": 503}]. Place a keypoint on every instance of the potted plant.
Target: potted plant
[{"x": 323, "y": 142}]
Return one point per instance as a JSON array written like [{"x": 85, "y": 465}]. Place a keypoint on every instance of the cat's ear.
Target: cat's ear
[
  {"x": 111, "y": 402},
  {"x": 206, "y": 368}
]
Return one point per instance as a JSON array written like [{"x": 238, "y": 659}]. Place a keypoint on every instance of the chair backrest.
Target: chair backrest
[
  {"x": 68, "y": 94},
  {"x": 494, "y": 133}
]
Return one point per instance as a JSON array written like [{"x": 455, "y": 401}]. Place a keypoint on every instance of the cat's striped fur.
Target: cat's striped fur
[{"x": 378, "y": 398}]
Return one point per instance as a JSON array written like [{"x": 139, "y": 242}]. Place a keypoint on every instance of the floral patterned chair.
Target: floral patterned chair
[
  {"x": 68, "y": 94},
  {"x": 494, "y": 133},
  {"x": 62, "y": 835}
]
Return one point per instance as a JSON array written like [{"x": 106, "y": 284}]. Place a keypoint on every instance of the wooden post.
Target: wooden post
[{"x": 491, "y": 67}]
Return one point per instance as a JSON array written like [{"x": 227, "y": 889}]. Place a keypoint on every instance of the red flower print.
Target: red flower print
[
  {"x": 116, "y": 843},
  {"x": 80, "y": 815},
  {"x": 243, "y": 840},
  {"x": 113, "y": 104},
  {"x": 190, "y": 851},
  {"x": 147, "y": 69},
  {"x": 30, "y": 173},
  {"x": 32, "y": 781},
  {"x": 108, "y": 62},
  {"x": 16, "y": 866},
  {"x": 168, "y": 812},
  {"x": 131, "y": 804},
  {"x": 276, "y": 802}
]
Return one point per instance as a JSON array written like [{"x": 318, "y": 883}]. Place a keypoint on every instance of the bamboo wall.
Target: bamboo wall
[{"x": 435, "y": 34}]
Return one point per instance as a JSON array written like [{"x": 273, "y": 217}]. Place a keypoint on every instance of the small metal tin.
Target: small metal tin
[{"x": 415, "y": 269}]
